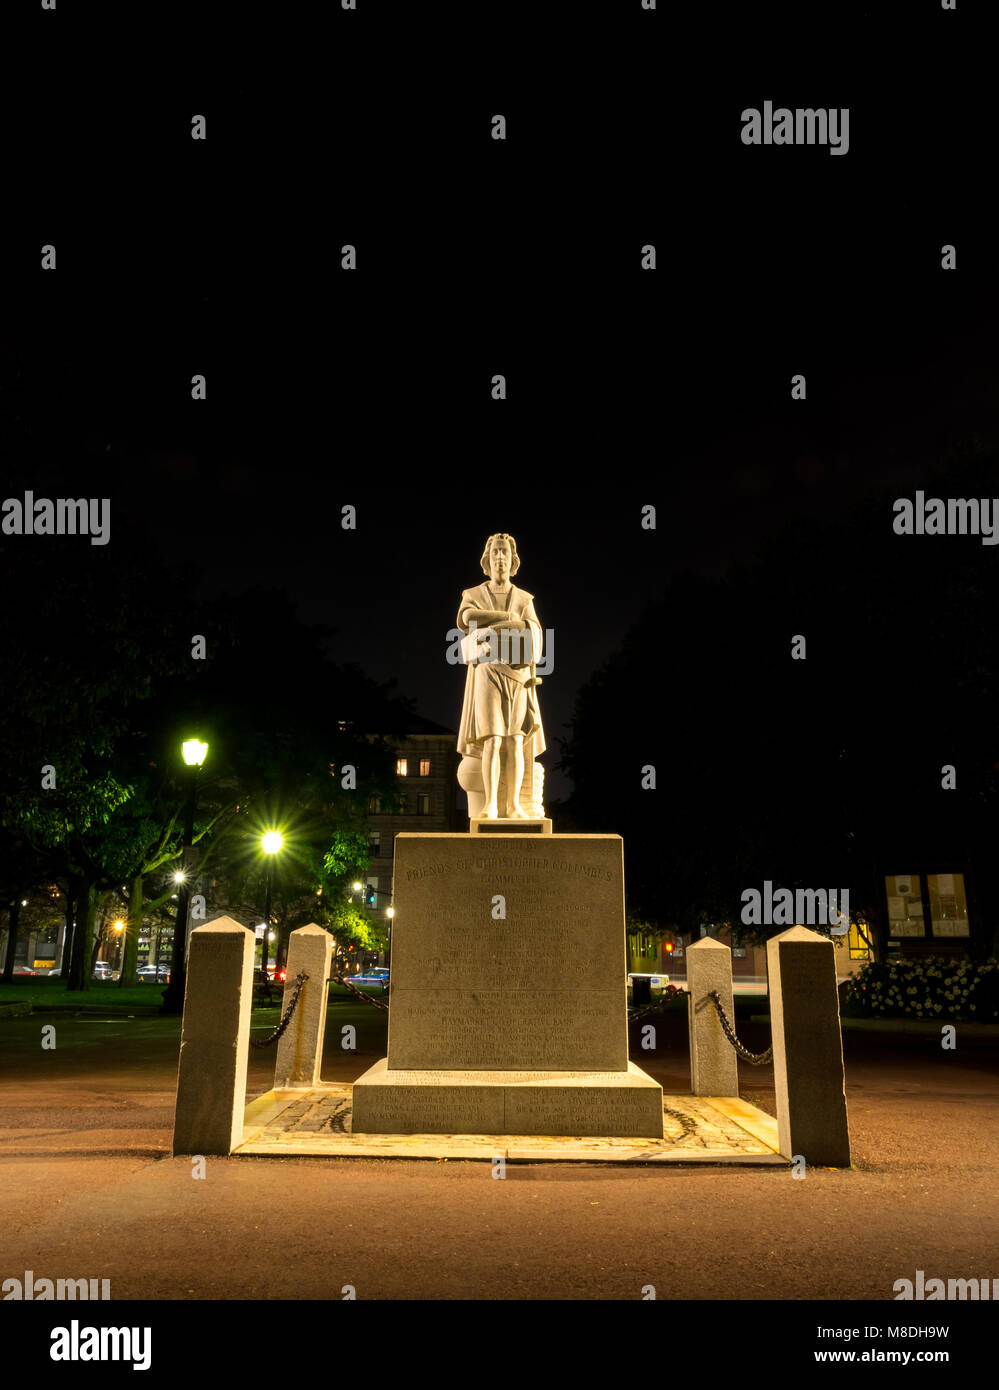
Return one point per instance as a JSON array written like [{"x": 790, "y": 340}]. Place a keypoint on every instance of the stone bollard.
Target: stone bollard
[
  {"x": 215, "y": 1039},
  {"x": 808, "y": 1048},
  {"x": 300, "y": 1047},
  {"x": 714, "y": 1067}
]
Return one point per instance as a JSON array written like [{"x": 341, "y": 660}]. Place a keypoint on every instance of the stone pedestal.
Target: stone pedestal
[
  {"x": 215, "y": 1039},
  {"x": 563, "y": 1104},
  {"x": 508, "y": 1004},
  {"x": 300, "y": 1047},
  {"x": 809, "y": 1078},
  {"x": 507, "y": 825}
]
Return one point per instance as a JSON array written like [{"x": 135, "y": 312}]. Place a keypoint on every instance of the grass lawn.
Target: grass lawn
[
  {"x": 102, "y": 994},
  {"x": 106, "y": 995}
]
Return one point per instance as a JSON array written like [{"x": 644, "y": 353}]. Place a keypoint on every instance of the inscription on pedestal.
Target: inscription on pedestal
[
  {"x": 585, "y": 1110},
  {"x": 508, "y": 953},
  {"x": 427, "y": 1110}
]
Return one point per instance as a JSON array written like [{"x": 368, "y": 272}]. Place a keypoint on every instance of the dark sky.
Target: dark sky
[{"x": 669, "y": 387}]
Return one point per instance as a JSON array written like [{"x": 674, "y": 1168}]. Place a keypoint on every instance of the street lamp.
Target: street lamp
[
  {"x": 270, "y": 842},
  {"x": 193, "y": 751}
]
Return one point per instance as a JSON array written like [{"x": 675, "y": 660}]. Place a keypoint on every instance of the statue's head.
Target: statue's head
[{"x": 500, "y": 549}]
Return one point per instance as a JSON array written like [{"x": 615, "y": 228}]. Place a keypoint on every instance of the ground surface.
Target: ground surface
[{"x": 87, "y": 1189}]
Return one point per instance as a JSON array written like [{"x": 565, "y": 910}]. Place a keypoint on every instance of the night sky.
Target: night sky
[{"x": 476, "y": 256}]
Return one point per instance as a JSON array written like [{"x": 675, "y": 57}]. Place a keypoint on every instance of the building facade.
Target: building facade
[{"x": 426, "y": 774}]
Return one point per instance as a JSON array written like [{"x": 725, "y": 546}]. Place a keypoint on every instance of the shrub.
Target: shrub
[{"x": 931, "y": 987}]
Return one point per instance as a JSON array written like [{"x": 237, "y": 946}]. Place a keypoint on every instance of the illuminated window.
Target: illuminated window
[
  {"x": 860, "y": 948},
  {"x": 424, "y": 767},
  {"x": 948, "y": 905},
  {"x": 402, "y": 767},
  {"x": 905, "y": 905}
]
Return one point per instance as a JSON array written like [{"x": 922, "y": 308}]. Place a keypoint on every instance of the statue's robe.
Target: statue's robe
[{"x": 470, "y": 737}]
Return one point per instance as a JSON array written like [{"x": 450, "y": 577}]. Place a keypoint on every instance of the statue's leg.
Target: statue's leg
[
  {"x": 491, "y": 776},
  {"x": 515, "y": 777}
]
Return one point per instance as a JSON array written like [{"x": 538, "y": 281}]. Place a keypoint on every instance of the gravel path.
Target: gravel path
[{"x": 88, "y": 1189}]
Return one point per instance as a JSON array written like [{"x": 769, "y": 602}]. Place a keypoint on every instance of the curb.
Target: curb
[
  {"x": 19, "y": 1009},
  {"x": 920, "y": 1027},
  {"x": 75, "y": 1010}
]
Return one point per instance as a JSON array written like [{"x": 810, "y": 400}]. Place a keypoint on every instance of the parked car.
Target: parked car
[
  {"x": 102, "y": 970},
  {"x": 23, "y": 970},
  {"x": 370, "y": 977},
  {"x": 153, "y": 974},
  {"x": 657, "y": 983}
]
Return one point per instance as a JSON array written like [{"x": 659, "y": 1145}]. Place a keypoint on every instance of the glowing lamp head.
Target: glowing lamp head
[
  {"x": 194, "y": 752},
  {"x": 272, "y": 841},
  {"x": 356, "y": 887},
  {"x": 178, "y": 877},
  {"x": 390, "y": 912},
  {"x": 119, "y": 926}
]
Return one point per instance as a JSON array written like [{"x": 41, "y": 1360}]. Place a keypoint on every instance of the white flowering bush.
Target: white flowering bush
[{"x": 930, "y": 987}]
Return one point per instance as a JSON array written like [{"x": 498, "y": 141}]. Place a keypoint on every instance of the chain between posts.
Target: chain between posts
[
  {"x": 635, "y": 1014},
  {"x": 377, "y": 1003},
  {"x": 300, "y": 980},
  {"x": 755, "y": 1059}
]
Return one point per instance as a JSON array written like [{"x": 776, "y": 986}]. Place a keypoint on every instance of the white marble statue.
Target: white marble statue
[{"x": 501, "y": 734}]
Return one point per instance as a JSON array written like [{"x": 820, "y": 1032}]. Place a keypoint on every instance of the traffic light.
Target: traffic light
[
  {"x": 668, "y": 947},
  {"x": 371, "y": 896}
]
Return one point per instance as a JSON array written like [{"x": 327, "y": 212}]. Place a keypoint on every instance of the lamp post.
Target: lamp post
[
  {"x": 193, "y": 751},
  {"x": 270, "y": 842}
]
